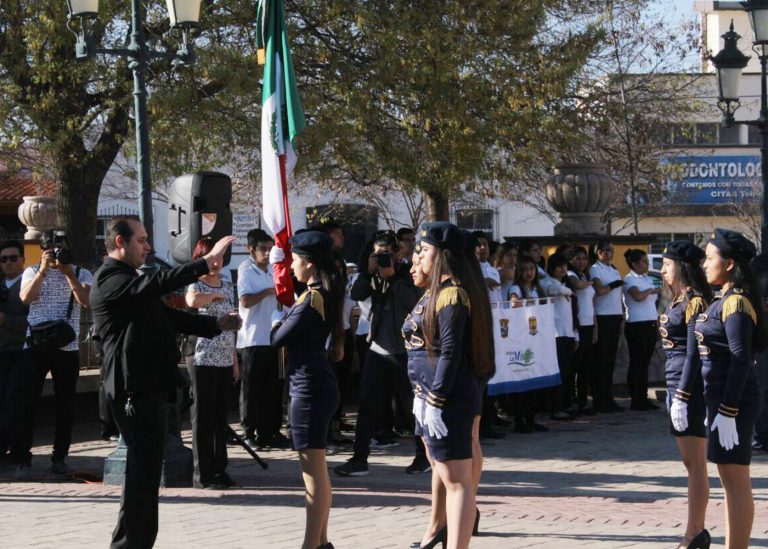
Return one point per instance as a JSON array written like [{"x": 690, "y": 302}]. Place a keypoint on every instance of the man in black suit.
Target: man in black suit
[{"x": 140, "y": 357}]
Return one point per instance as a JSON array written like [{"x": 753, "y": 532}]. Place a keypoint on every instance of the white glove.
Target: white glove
[
  {"x": 433, "y": 421},
  {"x": 678, "y": 412},
  {"x": 277, "y": 316},
  {"x": 726, "y": 429},
  {"x": 567, "y": 292},
  {"x": 418, "y": 410},
  {"x": 276, "y": 255}
]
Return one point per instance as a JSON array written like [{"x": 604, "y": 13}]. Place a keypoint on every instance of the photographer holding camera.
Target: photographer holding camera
[
  {"x": 54, "y": 289},
  {"x": 393, "y": 296}
]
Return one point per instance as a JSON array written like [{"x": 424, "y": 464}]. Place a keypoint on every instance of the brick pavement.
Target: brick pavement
[{"x": 605, "y": 482}]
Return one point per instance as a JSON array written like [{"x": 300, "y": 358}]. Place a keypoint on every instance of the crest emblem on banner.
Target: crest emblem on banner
[
  {"x": 532, "y": 326},
  {"x": 504, "y": 323}
]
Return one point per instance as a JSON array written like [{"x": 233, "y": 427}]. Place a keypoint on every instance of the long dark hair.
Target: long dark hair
[
  {"x": 690, "y": 275},
  {"x": 519, "y": 276},
  {"x": 467, "y": 272},
  {"x": 331, "y": 280}
]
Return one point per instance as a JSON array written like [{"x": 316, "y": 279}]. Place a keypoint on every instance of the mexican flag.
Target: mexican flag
[{"x": 282, "y": 120}]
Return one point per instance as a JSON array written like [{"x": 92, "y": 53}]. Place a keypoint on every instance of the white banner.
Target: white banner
[{"x": 526, "y": 354}]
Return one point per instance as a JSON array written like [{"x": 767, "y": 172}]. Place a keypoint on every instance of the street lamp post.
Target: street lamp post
[
  {"x": 184, "y": 15},
  {"x": 730, "y": 63}
]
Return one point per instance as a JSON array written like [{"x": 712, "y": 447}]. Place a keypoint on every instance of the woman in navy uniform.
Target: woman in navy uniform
[
  {"x": 313, "y": 334},
  {"x": 684, "y": 277},
  {"x": 729, "y": 334},
  {"x": 447, "y": 351}
]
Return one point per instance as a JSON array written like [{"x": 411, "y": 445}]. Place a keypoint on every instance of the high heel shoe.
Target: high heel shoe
[
  {"x": 477, "y": 522},
  {"x": 441, "y": 538},
  {"x": 701, "y": 541},
  {"x": 328, "y": 545}
]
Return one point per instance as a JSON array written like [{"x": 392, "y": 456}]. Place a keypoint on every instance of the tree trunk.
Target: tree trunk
[
  {"x": 78, "y": 197},
  {"x": 437, "y": 206}
]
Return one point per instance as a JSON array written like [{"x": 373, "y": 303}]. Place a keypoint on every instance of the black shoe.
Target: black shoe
[
  {"x": 613, "y": 406},
  {"x": 380, "y": 443},
  {"x": 538, "y": 427},
  {"x": 354, "y": 467},
  {"x": 701, "y": 541},
  {"x": 280, "y": 441},
  {"x": 211, "y": 485},
  {"x": 499, "y": 421},
  {"x": 440, "y": 537},
  {"x": 328, "y": 545},
  {"x": 490, "y": 432},
  {"x": 585, "y": 411},
  {"x": 335, "y": 437},
  {"x": 522, "y": 427},
  {"x": 251, "y": 443},
  {"x": 262, "y": 444},
  {"x": 225, "y": 479},
  {"x": 759, "y": 447},
  {"x": 419, "y": 465},
  {"x": 561, "y": 416}
]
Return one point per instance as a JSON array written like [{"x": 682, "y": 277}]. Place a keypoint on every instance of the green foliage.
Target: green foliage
[{"x": 436, "y": 94}]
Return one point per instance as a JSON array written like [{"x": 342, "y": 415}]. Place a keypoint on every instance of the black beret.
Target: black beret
[
  {"x": 311, "y": 244},
  {"x": 683, "y": 250},
  {"x": 443, "y": 235},
  {"x": 733, "y": 245}
]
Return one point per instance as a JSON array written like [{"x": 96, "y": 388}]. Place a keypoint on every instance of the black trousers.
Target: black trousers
[
  {"x": 560, "y": 397},
  {"x": 261, "y": 393},
  {"x": 608, "y": 333},
  {"x": 144, "y": 434},
  {"x": 641, "y": 341},
  {"x": 379, "y": 371},
  {"x": 64, "y": 369},
  {"x": 342, "y": 369},
  {"x": 107, "y": 420},
  {"x": 211, "y": 386},
  {"x": 11, "y": 367},
  {"x": 583, "y": 365}
]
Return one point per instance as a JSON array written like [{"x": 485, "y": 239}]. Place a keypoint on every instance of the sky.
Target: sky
[{"x": 675, "y": 11}]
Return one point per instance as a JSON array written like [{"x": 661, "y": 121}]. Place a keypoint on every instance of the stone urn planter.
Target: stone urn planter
[
  {"x": 580, "y": 193},
  {"x": 38, "y": 213}
]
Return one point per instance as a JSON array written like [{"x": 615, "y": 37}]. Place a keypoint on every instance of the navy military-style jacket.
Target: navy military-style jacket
[
  {"x": 439, "y": 374},
  {"x": 724, "y": 333},
  {"x": 304, "y": 331},
  {"x": 678, "y": 339}
]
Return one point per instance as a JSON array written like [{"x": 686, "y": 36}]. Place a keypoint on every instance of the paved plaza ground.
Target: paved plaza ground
[{"x": 609, "y": 481}]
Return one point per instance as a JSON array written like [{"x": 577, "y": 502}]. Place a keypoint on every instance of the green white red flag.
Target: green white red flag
[{"x": 282, "y": 120}]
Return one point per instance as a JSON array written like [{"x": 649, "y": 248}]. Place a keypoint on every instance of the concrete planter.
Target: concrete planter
[
  {"x": 580, "y": 193},
  {"x": 38, "y": 213}
]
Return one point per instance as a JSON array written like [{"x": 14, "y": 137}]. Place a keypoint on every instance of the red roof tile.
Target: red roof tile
[{"x": 15, "y": 186}]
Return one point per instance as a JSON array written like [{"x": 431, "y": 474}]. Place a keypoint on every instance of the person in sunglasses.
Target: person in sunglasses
[{"x": 13, "y": 327}]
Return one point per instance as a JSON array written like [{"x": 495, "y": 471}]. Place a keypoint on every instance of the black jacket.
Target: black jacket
[
  {"x": 14, "y": 330},
  {"x": 138, "y": 331},
  {"x": 398, "y": 289}
]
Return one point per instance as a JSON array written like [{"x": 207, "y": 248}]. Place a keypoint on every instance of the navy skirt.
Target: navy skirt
[
  {"x": 459, "y": 413},
  {"x": 749, "y": 409},
  {"x": 697, "y": 409}
]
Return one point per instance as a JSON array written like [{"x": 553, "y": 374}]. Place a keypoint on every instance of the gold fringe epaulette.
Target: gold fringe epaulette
[
  {"x": 695, "y": 307},
  {"x": 452, "y": 295},
  {"x": 738, "y": 303},
  {"x": 315, "y": 301}
]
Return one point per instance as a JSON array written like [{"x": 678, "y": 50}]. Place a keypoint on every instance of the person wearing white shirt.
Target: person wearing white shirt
[
  {"x": 532, "y": 249},
  {"x": 587, "y": 329},
  {"x": 261, "y": 388},
  {"x": 560, "y": 397},
  {"x": 609, "y": 314},
  {"x": 49, "y": 288},
  {"x": 490, "y": 274},
  {"x": 525, "y": 291},
  {"x": 640, "y": 297}
]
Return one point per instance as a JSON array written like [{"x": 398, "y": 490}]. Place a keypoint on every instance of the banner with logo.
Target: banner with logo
[{"x": 526, "y": 355}]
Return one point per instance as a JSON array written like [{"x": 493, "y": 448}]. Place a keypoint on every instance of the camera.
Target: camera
[
  {"x": 53, "y": 240},
  {"x": 384, "y": 259}
]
